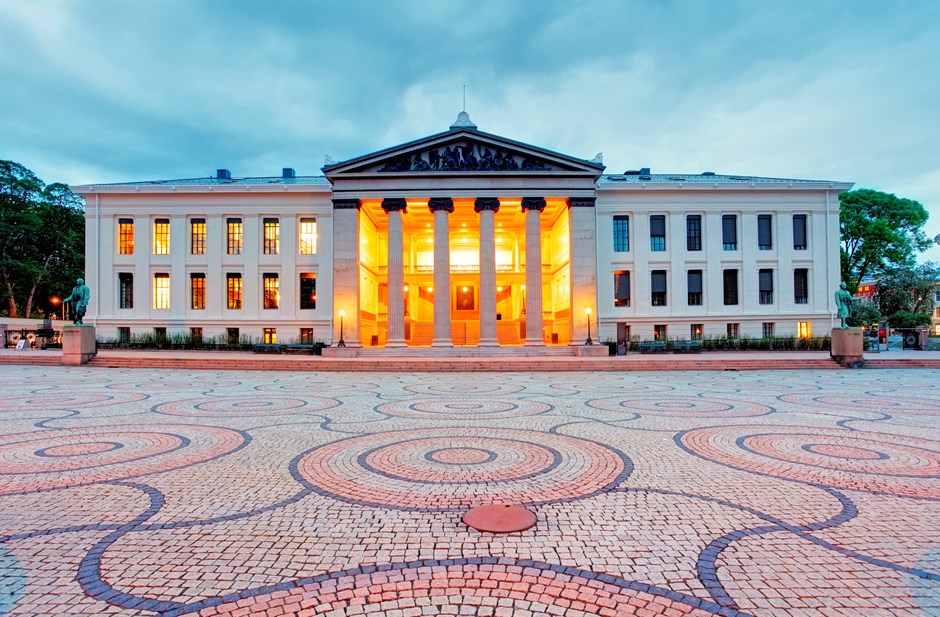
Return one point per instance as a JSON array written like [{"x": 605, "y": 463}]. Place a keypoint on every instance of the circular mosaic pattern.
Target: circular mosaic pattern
[
  {"x": 858, "y": 460},
  {"x": 70, "y": 457},
  {"x": 854, "y": 402},
  {"x": 173, "y": 385},
  {"x": 682, "y": 407},
  {"x": 320, "y": 387},
  {"x": 462, "y": 409},
  {"x": 468, "y": 388},
  {"x": 611, "y": 386},
  {"x": 44, "y": 401},
  {"x": 452, "y": 469},
  {"x": 244, "y": 406},
  {"x": 456, "y": 586}
]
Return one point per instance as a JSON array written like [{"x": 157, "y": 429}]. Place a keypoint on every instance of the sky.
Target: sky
[{"x": 109, "y": 91}]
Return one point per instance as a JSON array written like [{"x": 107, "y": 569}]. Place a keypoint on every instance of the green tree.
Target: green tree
[
  {"x": 41, "y": 239},
  {"x": 880, "y": 233},
  {"x": 863, "y": 314},
  {"x": 906, "y": 296}
]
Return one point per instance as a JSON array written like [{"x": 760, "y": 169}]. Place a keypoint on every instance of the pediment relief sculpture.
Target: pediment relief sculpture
[{"x": 464, "y": 156}]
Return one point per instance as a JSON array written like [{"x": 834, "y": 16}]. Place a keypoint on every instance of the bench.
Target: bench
[
  {"x": 268, "y": 348},
  {"x": 652, "y": 347},
  {"x": 299, "y": 348},
  {"x": 684, "y": 347}
]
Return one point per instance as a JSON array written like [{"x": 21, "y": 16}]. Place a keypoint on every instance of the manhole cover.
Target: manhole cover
[{"x": 499, "y": 518}]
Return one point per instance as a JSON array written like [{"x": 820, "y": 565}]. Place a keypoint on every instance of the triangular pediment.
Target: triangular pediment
[{"x": 464, "y": 151}]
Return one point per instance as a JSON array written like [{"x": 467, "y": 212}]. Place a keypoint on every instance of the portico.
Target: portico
[{"x": 463, "y": 239}]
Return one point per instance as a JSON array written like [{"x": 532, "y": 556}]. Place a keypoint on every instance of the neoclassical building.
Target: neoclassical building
[{"x": 463, "y": 238}]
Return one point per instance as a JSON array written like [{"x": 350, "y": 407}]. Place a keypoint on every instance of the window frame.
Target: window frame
[
  {"x": 306, "y": 246},
  {"x": 731, "y": 295},
  {"x": 765, "y": 232},
  {"x": 659, "y": 298},
  {"x": 621, "y": 277},
  {"x": 303, "y": 293},
  {"x": 621, "y": 233},
  {"x": 197, "y": 291},
  {"x": 234, "y": 291},
  {"x": 270, "y": 291},
  {"x": 161, "y": 237},
  {"x": 693, "y": 232},
  {"x": 234, "y": 236},
  {"x": 271, "y": 236},
  {"x": 657, "y": 240},
  {"x": 197, "y": 236},
  {"x": 694, "y": 297},
  {"x": 729, "y": 232},
  {"x": 161, "y": 291},
  {"x": 125, "y": 236},
  {"x": 125, "y": 290}
]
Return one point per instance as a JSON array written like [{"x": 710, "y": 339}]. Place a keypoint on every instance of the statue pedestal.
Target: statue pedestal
[
  {"x": 78, "y": 344},
  {"x": 591, "y": 350},
  {"x": 847, "y": 347}
]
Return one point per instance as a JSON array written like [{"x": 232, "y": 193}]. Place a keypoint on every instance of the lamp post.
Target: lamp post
[
  {"x": 341, "y": 343},
  {"x": 587, "y": 312},
  {"x": 55, "y": 302}
]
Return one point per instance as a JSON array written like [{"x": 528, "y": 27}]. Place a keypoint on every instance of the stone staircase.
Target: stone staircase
[{"x": 466, "y": 352}]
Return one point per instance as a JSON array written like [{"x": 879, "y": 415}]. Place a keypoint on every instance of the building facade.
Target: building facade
[{"x": 463, "y": 238}]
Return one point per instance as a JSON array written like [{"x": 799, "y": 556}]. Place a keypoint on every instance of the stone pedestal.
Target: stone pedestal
[
  {"x": 592, "y": 350},
  {"x": 339, "y": 352},
  {"x": 78, "y": 344},
  {"x": 847, "y": 347}
]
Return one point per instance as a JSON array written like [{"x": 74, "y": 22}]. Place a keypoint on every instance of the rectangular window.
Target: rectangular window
[
  {"x": 729, "y": 232},
  {"x": 125, "y": 236},
  {"x": 765, "y": 236},
  {"x": 232, "y": 335},
  {"x": 124, "y": 334},
  {"x": 801, "y": 286},
  {"x": 805, "y": 329},
  {"x": 233, "y": 229},
  {"x": 161, "y": 236},
  {"x": 270, "y": 336},
  {"x": 657, "y": 232},
  {"x": 126, "y": 290},
  {"x": 730, "y": 278},
  {"x": 799, "y": 232},
  {"x": 621, "y": 234},
  {"x": 734, "y": 330},
  {"x": 306, "y": 336},
  {"x": 621, "y": 288},
  {"x": 693, "y": 232},
  {"x": 660, "y": 333},
  {"x": 695, "y": 287},
  {"x": 272, "y": 237},
  {"x": 197, "y": 284},
  {"x": 658, "y": 287},
  {"x": 161, "y": 291},
  {"x": 159, "y": 334},
  {"x": 272, "y": 297},
  {"x": 464, "y": 299},
  {"x": 233, "y": 284},
  {"x": 695, "y": 332},
  {"x": 308, "y": 236},
  {"x": 765, "y": 281},
  {"x": 197, "y": 230},
  {"x": 767, "y": 329},
  {"x": 308, "y": 290},
  {"x": 195, "y": 334}
]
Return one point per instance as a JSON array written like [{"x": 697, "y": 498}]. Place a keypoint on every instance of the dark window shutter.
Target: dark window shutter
[
  {"x": 766, "y": 280},
  {"x": 695, "y": 281},
  {"x": 799, "y": 230},
  {"x": 729, "y": 229},
  {"x": 658, "y": 225},
  {"x": 126, "y": 221},
  {"x": 234, "y": 220},
  {"x": 763, "y": 230},
  {"x": 658, "y": 281},
  {"x": 162, "y": 221},
  {"x": 622, "y": 286},
  {"x": 197, "y": 221}
]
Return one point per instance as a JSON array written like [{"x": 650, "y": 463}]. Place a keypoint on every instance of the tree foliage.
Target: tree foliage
[
  {"x": 863, "y": 314},
  {"x": 906, "y": 296},
  {"x": 42, "y": 240},
  {"x": 880, "y": 233}
]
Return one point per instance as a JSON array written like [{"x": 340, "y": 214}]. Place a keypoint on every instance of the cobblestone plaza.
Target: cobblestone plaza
[{"x": 142, "y": 492}]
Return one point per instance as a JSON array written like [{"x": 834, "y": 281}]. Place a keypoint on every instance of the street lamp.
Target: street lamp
[
  {"x": 587, "y": 312},
  {"x": 55, "y": 302},
  {"x": 341, "y": 343}
]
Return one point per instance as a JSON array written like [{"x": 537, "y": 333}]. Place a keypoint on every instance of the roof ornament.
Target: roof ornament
[
  {"x": 463, "y": 120},
  {"x": 598, "y": 158},
  {"x": 327, "y": 160}
]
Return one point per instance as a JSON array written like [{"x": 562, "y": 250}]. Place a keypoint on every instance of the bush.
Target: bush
[{"x": 770, "y": 343}]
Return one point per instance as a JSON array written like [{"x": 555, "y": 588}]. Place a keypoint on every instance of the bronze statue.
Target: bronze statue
[
  {"x": 79, "y": 299},
  {"x": 843, "y": 303}
]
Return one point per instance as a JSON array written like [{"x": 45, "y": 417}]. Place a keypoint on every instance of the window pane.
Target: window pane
[
  {"x": 161, "y": 291},
  {"x": 658, "y": 287},
  {"x": 234, "y": 289},
  {"x": 765, "y": 280},
  {"x": 621, "y": 288},
  {"x": 198, "y": 286},
  {"x": 161, "y": 237},
  {"x": 308, "y": 291},
  {"x": 801, "y": 286},
  {"x": 126, "y": 290},
  {"x": 272, "y": 237},
  {"x": 729, "y": 232},
  {"x": 621, "y": 234},
  {"x": 799, "y": 232},
  {"x": 308, "y": 236},
  {"x": 730, "y": 286},
  {"x": 764, "y": 232},
  {"x": 126, "y": 236},
  {"x": 693, "y": 229},
  {"x": 234, "y": 233},
  {"x": 695, "y": 287},
  {"x": 272, "y": 296},
  {"x": 197, "y": 229}
]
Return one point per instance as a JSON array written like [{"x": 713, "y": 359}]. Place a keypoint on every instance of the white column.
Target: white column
[
  {"x": 582, "y": 226},
  {"x": 396, "y": 272},
  {"x": 346, "y": 271},
  {"x": 533, "y": 207},
  {"x": 441, "y": 207},
  {"x": 487, "y": 208}
]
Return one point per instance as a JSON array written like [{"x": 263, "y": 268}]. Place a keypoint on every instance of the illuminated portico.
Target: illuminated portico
[{"x": 464, "y": 239}]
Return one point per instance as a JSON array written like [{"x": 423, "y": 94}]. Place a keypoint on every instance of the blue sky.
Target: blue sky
[{"x": 103, "y": 91}]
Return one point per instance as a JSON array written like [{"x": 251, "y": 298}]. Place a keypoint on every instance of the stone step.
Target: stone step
[{"x": 464, "y": 352}]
